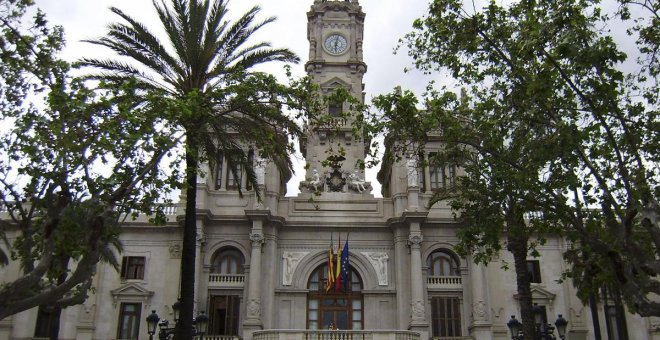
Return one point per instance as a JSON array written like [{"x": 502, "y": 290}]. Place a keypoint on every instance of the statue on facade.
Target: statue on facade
[
  {"x": 260, "y": 170},
  {"x": 357, "y": 183},
  {"x": 411, "y": 166},
  {"x": 314, "y": 183}
]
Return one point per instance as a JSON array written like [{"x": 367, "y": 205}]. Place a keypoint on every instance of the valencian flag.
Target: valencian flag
[
  {"x": 344, "y": 264},
  {"x": 331, "y": 271},
  {"x": 338, "y": 266}
]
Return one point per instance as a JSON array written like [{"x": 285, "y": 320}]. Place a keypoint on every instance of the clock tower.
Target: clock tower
[{"x": 335, "y": 33}]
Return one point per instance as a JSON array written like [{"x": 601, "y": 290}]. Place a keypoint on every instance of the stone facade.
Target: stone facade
[{"x": 257, "y": 262}]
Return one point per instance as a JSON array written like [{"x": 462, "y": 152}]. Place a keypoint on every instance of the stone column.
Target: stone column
[
  {"x": 481, "y": 321},
  {"x": 253, "y": 304},
  {"x": 418, "y": 321},
  {"x": 416, "y": 292},
  {"x": 254, "y": 292},
  {"x": 199, "y": 273}
]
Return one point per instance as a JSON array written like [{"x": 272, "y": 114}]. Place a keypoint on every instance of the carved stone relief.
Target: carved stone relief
[
  {"x": 175, "y": 250},
  {"x": 379, "y": 261},
  {"x": 254, "y": 308},
  {"x": 418, "y": 310},
  {"x": 291, "y": 261}
]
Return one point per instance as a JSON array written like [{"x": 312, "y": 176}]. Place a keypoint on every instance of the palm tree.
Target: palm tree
[{"x": 203, "y": 71}]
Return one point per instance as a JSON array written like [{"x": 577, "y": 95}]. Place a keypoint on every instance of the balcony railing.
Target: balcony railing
[
  {"x": 445, "y": 282},
  {"x": 291, "y": 334},
  {"x": 219, "y": 337},
  {"x": 226, "y": 280},
  {"x": 452, "y": 338}
]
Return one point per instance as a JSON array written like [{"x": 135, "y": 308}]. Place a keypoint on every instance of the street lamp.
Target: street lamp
[
  {"x": 544, "y": 331},
  {"x": 165, "y": 330},
  {"x": 514, "y": 326},
  {"x": 201, "y": 322},
  {"x": 176, "y": 308},
  {"x": 152, "y": 323},
  {"x": 561, "y": 324}
]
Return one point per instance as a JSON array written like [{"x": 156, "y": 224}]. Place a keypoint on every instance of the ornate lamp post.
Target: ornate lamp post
[
  {"x": 201, "y": 323},
  {"x": 561, "y": 324},
  {"x": 545, "y": 331},
  {"x": 152, "y": 323},
  {"x": 515, "y": 326}
]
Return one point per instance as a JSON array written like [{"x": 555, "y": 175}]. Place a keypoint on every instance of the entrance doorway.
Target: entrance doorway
[{"x": 224, "y": 315}]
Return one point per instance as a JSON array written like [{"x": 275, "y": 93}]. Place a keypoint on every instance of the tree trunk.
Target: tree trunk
[
  {"x": 593, "y": 305},
  {"x": 189, "y": 248},
  {"x": 54, "y": 331},
  {"x": 517, "y": 244}
]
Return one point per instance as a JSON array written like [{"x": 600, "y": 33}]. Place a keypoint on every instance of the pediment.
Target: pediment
[
  {"x": 539, "y": 295},
  {"x": 334, "y": 83},
  {"x": 131, "y": 292}
]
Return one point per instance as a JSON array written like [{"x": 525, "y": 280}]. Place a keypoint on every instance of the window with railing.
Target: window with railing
[{"x": 332, "y": 307}]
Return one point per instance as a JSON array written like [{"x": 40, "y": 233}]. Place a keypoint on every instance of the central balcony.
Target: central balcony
[
  {"x": 296, "y": 334},
  {"x": 226, "y": 280},
  {"x": 445, "y": 282}
]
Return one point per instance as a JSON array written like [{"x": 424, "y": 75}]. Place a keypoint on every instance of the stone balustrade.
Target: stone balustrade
[
  {"x": 226, "y": 280},
  {"x": 294, "y": 334},
  {"x": 445, "y": 282}
]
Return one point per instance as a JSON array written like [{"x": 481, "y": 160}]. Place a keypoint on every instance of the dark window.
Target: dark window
[
  {"x": 534, "y": 271},
  {"x": 129, "y": 321},
  {"x": 329, "y": 308},
  {"x": 420, "y": 173},
  {"x": 335, "y": 109},
  {"x": 248, "y": 184},
  {"x": 227, "y": 261},
  {"x": 219, "y": 167},
  {"x": 445, "y": 316},
  {"x": 132, "y": 267},
  {"x": 45, "y": 319},
  {"x": 441, "y": 263},
  {"x": 225, "y": 314},
  {"x": 233, "y": 182},
  {"x": 442, "y": 175},
  {"x": 616, "y": 323}
]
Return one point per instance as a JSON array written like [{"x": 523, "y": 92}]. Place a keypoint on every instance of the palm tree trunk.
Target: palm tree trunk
[{"x": 189, "y": 249}]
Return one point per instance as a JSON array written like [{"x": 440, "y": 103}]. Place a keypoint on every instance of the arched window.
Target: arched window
[
  {"x": 227, "y": 261},
  {"x": 340, "y": 308},
  {"x": 442, "y": 263}
]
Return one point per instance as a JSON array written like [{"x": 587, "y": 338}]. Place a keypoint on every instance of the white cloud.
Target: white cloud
[{"x": 386, "y": 22}]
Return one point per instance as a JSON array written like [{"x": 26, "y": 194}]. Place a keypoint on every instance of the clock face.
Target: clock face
[{"x": 336, "y": 44}]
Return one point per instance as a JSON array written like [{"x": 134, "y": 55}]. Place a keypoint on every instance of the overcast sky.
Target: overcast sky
[{"x": 386, "y": 22}]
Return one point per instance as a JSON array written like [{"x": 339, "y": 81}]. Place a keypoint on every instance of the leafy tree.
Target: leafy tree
[
  {"x": 58, "y": 139},
  {"x": 550, "y": 128},
  {"x": 204, "y": 70}
]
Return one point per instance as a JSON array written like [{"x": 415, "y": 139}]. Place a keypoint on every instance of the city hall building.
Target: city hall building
[{"x": 262, "y": 268}]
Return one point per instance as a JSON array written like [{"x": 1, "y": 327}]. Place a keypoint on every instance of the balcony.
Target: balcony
[
  {"x": 445, "y": 283},
  {"x": 293, "y": 334},
  {"x": 226, "y": 280}
]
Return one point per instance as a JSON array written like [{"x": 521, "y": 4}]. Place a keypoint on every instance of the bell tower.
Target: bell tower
[{"x": 335, "y": 31}]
